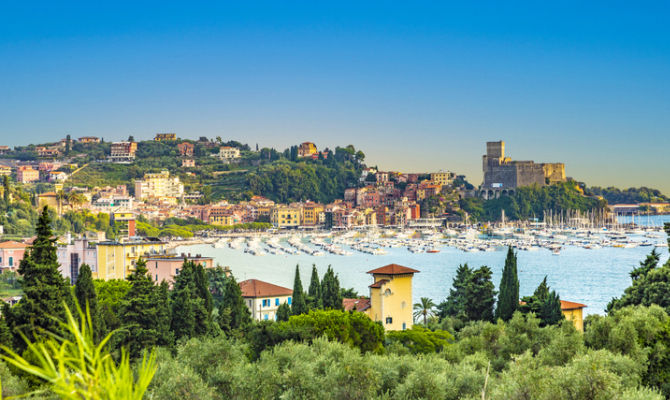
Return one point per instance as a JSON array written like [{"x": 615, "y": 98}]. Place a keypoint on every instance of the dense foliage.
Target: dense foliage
[
  {"x": 629, "y": 196},
  {"x": 532, "y": 202}
]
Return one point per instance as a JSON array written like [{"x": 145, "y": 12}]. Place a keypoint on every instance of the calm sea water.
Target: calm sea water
[{"x": 591, "y": 277}]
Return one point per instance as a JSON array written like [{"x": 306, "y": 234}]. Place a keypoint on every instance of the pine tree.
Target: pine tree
[
  {"x": 480, "y": 295},
  {"x": 191, "y": 302},
  {"x": 314, "y": 291},
  {"x": 233, "y": 313},
  {"x": 283, "y": 312},
  {"x": 84, "y": 292},
  {"x": 545, "y": 304},
  {"x": 508, "y": 297},
  {"x": 550, "y": 311},
  {"x": 299, "y": 304},
  {"x": 45, "y": 290},
  {"x": 139, "y": 312},
  {"x": 331, "y": 296},
  {"x": 454, "y": 305}
]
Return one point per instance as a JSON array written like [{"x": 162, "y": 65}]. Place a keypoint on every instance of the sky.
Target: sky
[{"x": 418, "y": 86}]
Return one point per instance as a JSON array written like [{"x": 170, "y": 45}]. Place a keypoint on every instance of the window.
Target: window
[
  {"x": 404, "y": 326},
  {"x": 289, "y": 301},
  {"x": 265, "y": 317},
  {"x": 156, "y": 277},
  {"x": 176, "y": 271},
  {"x": 389, "y": 320},
  {"x": 11, "y": 261},
  {"x": 277, "y": 301}
]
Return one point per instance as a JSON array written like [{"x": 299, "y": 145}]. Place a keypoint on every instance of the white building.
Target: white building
[
  {"x": 263, "y": 299},
  {"x": 71, "y": 256},
  {"x": 107, "y": 204},
  {"x": 229, "y": 153}
]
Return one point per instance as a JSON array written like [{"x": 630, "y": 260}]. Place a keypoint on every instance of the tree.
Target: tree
[
  {"x": 508, "y": 298},
  {"x": 480, "y": 295},
  {"x": 191, "y": 308},
  {"x": 68, "y": 144},
  {"x": 299, "y": 304},
  {"x": 6, "y": 190},
  {"x": 164, "y": 315},
  {"x": 454, "y": 305},
  {"x": 233, "y": 313},
  {"x": 331, "y": 296},
  {"x": 314, "y": 291},
  {"x": 283, "y": 312},
  {"x": 425, "y": 309},
  {"x": 544, "y": 303},
  {"x": 139, "y": 312},
  {"x": 45, "y": 290},
  {"x": 217, "y": 284},
  {"x": 84, "y": 292}
]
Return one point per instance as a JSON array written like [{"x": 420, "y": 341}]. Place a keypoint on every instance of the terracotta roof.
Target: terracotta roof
[
  {"x": 379, "y": 283},
  {"x": 569, "y": 305},
  {"x": 360, "y": 304},
  {"x": 256, "y": 288},
  {"x": 10, "y": 244},
  {"x": 393, "y": 269}
]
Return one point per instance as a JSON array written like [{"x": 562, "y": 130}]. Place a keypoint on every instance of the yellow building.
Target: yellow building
[
  {"x": 442, "y": 178},
  {"x": 391, "y": 297},
  {"x": 307, "y": 149},
  {"x": 311, "y": 214},
  {"x": 285, "y": 217},
  {"x": 116, "y": 260},
  {"x": 574, "y": 312},
  {"x": 224, "y": 219},
  {"x": 159, "y": 186},
  {"x": 162, "y": 137}
]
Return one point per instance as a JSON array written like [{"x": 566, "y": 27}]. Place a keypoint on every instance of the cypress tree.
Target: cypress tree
[
  {"x": 508, "y": 297},
  {"x": 480, "y": 295},
  {"x": 164, "y": 315},
  {"x": 283, "y": 312},
  {"x": 331, "y": 296},
  {"x": 191, "y": 302},
  {"x": 45, "y": 290},
  {"x": 6, "y": 190},
  {"x": 84, "y": 292},
  {"x": 233, "y": 313},
  {"x": 299, "y": 304},
  {"x": 139, "y": 312},
  {"x": 314, "y": 291}
]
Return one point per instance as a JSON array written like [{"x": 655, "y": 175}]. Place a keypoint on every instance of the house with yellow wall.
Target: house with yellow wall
[
  {"x": 391, "y": 297},
  {"x": 116, "y": 260},
  {"x": 285, "y": 217},
  {"x": 574, "y": 312}
]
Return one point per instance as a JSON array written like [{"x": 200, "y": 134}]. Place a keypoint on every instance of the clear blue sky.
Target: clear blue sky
[{"x": 417, "y": 86}]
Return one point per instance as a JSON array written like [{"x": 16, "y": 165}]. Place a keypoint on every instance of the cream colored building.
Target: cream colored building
[
  {"x": 442, "y": 178},
  {"x": 263, "y": 299},
  {"x": 229, "y": 153},
  {"x": 159, "y": 186}
]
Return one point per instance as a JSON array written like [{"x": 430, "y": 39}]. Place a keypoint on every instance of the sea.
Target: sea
[{"x": 589, "y": 276}]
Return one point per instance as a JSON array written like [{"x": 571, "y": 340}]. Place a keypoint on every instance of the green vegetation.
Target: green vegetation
[
  {"x": 629, "y": 196},
  {"x": 508, "y": 297},
  {"x": 532, "y": 202}
]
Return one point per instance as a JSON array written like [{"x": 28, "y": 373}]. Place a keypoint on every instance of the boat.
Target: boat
[{"x": 432, "y": 251}]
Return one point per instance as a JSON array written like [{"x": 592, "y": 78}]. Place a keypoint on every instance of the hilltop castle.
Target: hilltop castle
[{"x": 502, "y": 175}]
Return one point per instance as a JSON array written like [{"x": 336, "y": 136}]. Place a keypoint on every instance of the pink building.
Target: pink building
[
  {"x": 26, "y": 174},
  {"x": 11, "y": 254},
  {"x": 166, "y": 267}
]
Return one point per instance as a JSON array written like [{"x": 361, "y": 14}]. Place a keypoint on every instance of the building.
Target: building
[
  {"x": 442, "y": 178},
  {"x": 89, "y": 139},
  {"x": 167, "y": 267},
  {"x": 165, "y": 137},
  {"x": 47, "y": 152},
  {"x": 391, "y": 297},
  {"x": 57, "y": 176},
  {"x": 285, "y": 217},
  {"x": 107, "y": 204},
  {"x": 263, "y": 299},
  {"x": 307, "y": 149},
  {"x": 5, "y": 170},
  {"x": 229, "y": 153},
  {"x": 125, "y": 221},
  {"x": 502, "y": 175},
  {"x": 4, "y": 149},
  {"x": 11, "y": 254},
  {"x": 574, "y": 312},
  {"x": 188, "y": 163},
  {"x": 158, "y": 186},
  {"x": 186, "y": 149},
  {"x": 123, "y": 152},
  {"x": 312, "y": 214},
  {"x": 73, "y": 255},
  {"x": 49, "y": 199},
  {"x": 26, "y": 174},
  {"x": 116, "y": 260}
]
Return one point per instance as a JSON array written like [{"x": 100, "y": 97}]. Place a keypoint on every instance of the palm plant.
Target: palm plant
[
  {"x": 78, "y": 368},
  {"x": 425, "y": 308},
  {"x": 75, "y": 199}
]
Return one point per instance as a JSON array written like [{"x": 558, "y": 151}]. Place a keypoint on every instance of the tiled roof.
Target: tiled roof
[
  {"x": 379, "y": 283},
  {"x": 10, "y": 244},
  {"x": 569, "y": 305},
  {"x": 256, "y": 288},
  {"x": 360, "y": 304},
  {"x": 393, "y": 269}
]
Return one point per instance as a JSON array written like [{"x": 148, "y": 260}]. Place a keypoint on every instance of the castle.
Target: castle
[{"x": 502, "y": 175}]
